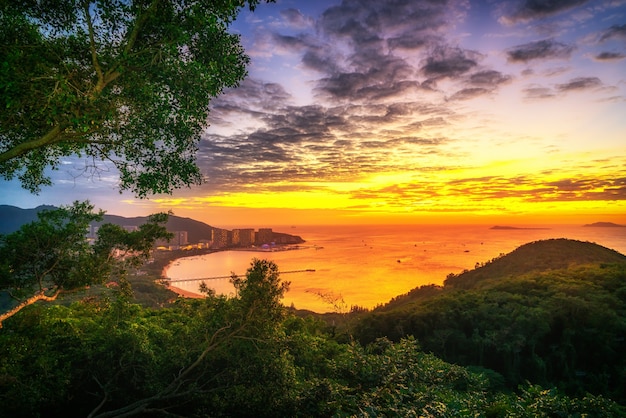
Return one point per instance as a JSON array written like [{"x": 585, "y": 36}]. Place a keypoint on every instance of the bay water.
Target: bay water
[{"x": 369, "y": 265}]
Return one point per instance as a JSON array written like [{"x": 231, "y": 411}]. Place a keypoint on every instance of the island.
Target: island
[{"x": 604, "y": 225}]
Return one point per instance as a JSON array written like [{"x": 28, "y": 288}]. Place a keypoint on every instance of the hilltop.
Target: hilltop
[
  {"x": 12, "y": 218},
  {"x": 542, "y": 255},
  {"x": 537, "y": 256}
]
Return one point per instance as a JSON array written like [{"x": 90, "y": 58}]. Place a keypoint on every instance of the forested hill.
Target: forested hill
[
  {"x": 551, "y": 313},
  {"x": 542, "y": 255}
]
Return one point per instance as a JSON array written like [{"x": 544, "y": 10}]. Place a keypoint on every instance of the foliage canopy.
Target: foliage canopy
[
  {"x": 52, "y": 254},
  {"x": 249, "y": 356},
  {"x": 122, "y": 81}
]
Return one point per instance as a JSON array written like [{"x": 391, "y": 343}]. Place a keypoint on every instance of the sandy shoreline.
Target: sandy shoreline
[
  {"x": 184, "y": 293},
  {"x": 180, "y": 292},
  {"x": 187, "y": 294}
]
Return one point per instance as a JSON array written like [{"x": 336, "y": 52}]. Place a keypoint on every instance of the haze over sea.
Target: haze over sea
[{"x": 369, "y": 265}]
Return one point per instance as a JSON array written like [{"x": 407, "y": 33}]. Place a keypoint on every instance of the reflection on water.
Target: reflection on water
[{"x": 369, "y": 265}]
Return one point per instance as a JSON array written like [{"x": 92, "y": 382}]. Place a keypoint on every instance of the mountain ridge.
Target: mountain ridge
[{"x": 13, "y": 217}]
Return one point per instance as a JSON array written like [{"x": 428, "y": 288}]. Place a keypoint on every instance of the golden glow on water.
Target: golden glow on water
[{"x": 369, "y": 265}]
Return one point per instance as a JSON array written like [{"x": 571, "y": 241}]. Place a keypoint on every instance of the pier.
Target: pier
[{"x": 228, "y": 277}]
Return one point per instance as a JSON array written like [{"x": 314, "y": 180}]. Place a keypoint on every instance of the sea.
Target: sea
[{"x": 341, "y": 267}]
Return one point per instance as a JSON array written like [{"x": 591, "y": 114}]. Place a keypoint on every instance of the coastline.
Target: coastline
[
  {"x": 188, "y": 294},
  {"x": 184, "y": 293},
  {"x": 165, "y": 261}
]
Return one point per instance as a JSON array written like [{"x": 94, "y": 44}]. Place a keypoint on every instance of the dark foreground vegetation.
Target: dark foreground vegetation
[{"x": 544, "y": 343}]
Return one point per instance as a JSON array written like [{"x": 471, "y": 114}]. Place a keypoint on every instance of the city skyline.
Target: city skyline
[{"x": 405, "y": 112}]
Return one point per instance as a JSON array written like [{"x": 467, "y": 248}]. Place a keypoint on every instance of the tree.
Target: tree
[
  {"x": 261, "y": 291},
  {"x": 241, "y": 367},
  {"x": 122, "y": 81},
  {"x": 52, "y": 254}
]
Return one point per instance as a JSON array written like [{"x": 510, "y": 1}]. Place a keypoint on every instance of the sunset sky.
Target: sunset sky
[{"x": 363, "y": 111}]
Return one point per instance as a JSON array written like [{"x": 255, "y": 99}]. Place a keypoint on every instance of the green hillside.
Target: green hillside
[
  {"x": 551, "y": 312},
  {"x": 542, "y": 255}
]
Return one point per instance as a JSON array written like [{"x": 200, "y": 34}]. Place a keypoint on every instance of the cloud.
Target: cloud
[
  {"x": 479, "y": 193},
  {"x": 544, "y": 49},
  {"x": 580, "y": 83},
  {"x": 295, "y": 18},
  {"x": 449, "y": 62},
  {"x": 585, "y": 189},
  {"x": 385, "y": 82},
  {"x": 252, "y": 94},
  {"x": 469, "y": 93},
  {"x": 537, "y": 9},
  {"x": 488, "y": 78},
  {"x": 609, "y": 56},
  {"x": 387, "y": 76},
  {"x": 289, "y": 42},
  {"x": 538, "y": 93},
  {"x": 614, "y": 32},
  {"x": 411, "y": 41}
]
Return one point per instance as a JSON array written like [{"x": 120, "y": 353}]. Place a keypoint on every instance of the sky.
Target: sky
[{"x": 405, "y": 111}]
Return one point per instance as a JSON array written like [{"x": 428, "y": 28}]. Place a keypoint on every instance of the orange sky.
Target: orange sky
[{"x": 356, "y": 112}]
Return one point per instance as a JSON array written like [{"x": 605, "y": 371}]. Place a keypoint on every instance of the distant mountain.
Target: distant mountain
[
  {"x": 538, "y": 256},
  {"x": 604, "y": 225},
  {"x": 196, "y": 230},
  {"x": 11, "y": 218}
]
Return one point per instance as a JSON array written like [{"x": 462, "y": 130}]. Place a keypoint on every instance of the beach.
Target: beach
[{"x": 184, "y": 293}]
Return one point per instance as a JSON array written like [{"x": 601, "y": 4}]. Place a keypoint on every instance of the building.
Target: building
[
  {"x": 264, "y": 236},
  {"x": 205, "y": 243},
  {"x": 180, "y": 238},
  {"x": 221, "y": 238},
  {"x": 243, "y": 237}
]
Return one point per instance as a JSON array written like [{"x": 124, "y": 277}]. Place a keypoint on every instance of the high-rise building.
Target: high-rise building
[
  {"x": 243, "y": 237},
  {"x": 180, "y": 238},
  {"x": 220, "y": 238},
  {"x": 264, "y": 236}
]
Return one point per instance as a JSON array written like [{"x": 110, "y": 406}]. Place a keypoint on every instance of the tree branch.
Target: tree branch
[
  {"x": 172, "y": 390},
  {"x": 92, "y": 42},
  {"x": 113, "y": 72},
  {"x": 54, "y": 135},
  {"x": 37, "y": 297}
]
